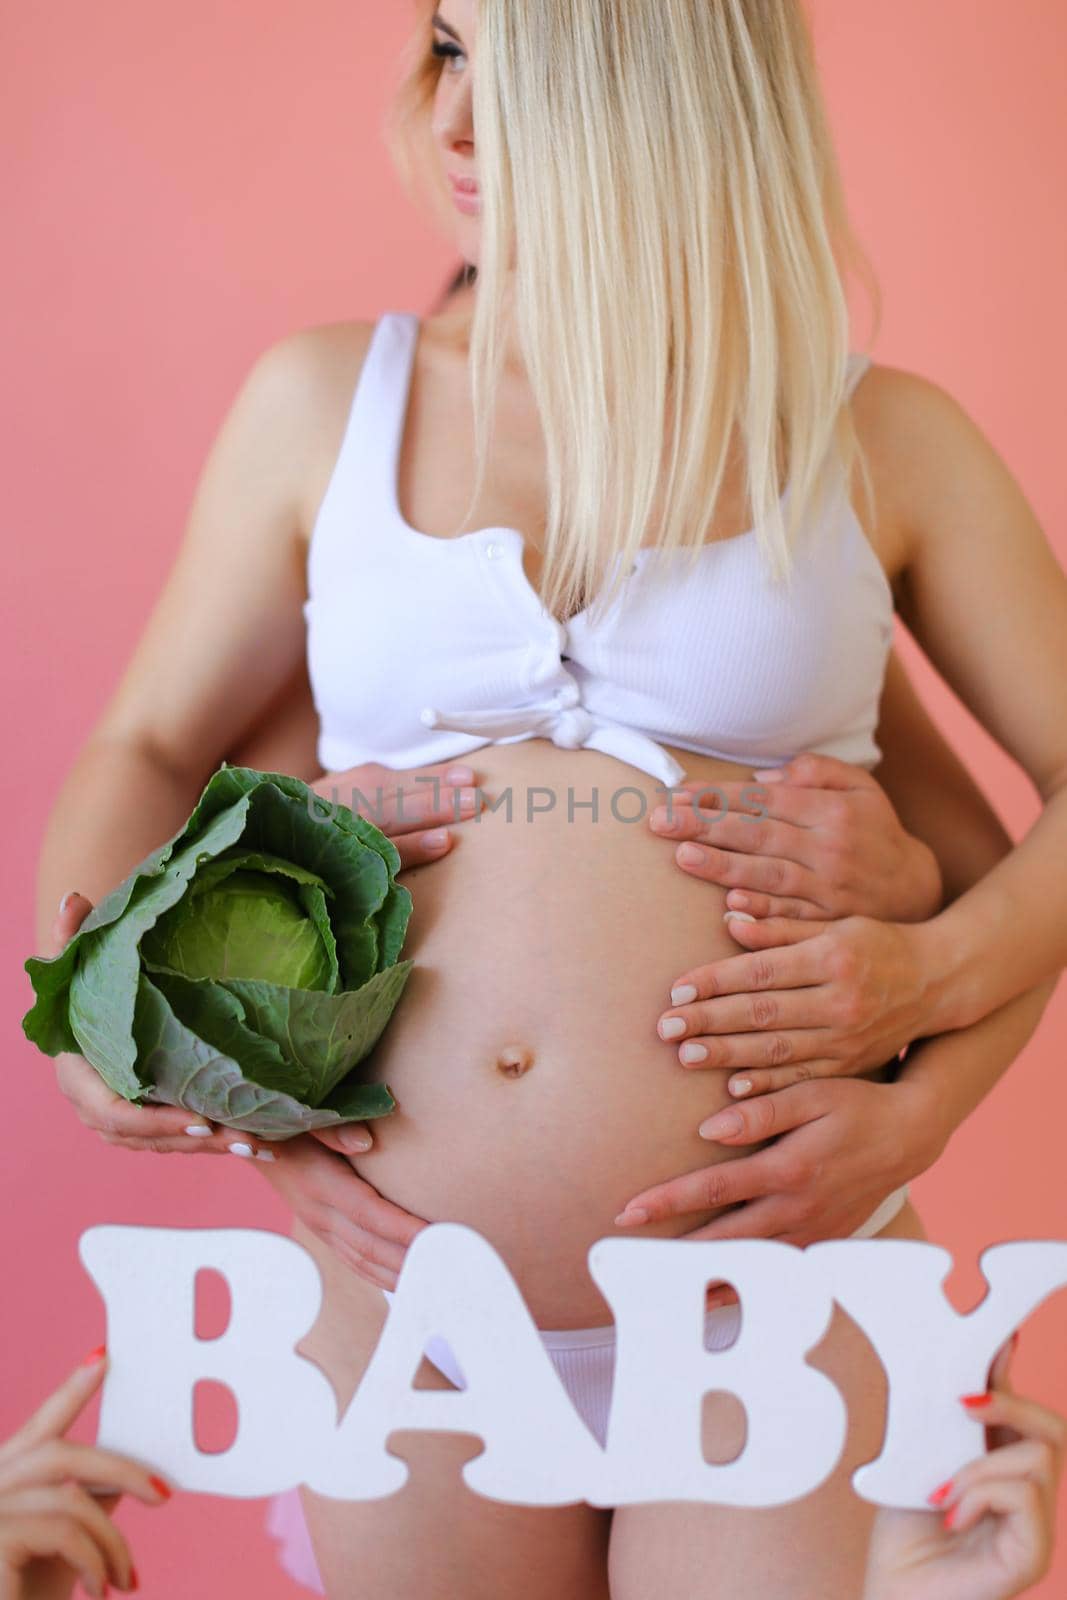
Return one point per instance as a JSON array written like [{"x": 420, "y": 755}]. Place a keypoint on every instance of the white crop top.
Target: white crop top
[{"x": 423, "y": 649}]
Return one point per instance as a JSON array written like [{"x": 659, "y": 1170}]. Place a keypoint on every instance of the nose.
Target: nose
[{"x": 453, "y": 121}]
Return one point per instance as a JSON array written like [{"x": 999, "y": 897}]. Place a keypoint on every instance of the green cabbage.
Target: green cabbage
[{"x": 244, "y": 968}]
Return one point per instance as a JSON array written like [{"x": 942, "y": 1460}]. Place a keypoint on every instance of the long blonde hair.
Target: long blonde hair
[{"x": 663, "y": 216}]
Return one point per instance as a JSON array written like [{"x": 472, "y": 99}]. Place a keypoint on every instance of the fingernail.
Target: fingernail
[
  {"x": 198, "y": 1130},
  {"x": 736, "y": 898},
  {"x": 631, "y": 1218},
  {"x": 468, "y": 799},
  {"x": 67, "y": 898},
  {"x": 942, "y": 1492},
  {"x": 671, "y": 1027},
  {"x": 691, "y": 855},
  {"x": 94, "y": 1356},
  {"x": 459, "y": 774},
  {"x": 739, "y": 1085},
  {"x": 771, "y": 774},
  {"x": 1015, "y": 1341},
  {"x": 266, "y": 1155},
  {"x": 682, "y": 995},
  {"x": 692, "y": 1051},
  {"x": 738, "y": 916},
  {"x": 241, "y": 1150},
  {"x": 975, "y": 1400},
  {"x": 435, "y": 838},
  {"x": 950, "y": 1516},
  {"x": 160, "y": 1487},
  {"x": 722, "y": 1125},
  {"x": 134, "y": 1581}
]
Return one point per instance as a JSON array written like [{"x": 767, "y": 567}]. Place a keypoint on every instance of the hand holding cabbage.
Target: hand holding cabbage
[{"x": 244, "y": 968}]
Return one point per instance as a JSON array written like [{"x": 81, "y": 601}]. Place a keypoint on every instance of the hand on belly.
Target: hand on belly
[{"x": 534, "y": 1092}]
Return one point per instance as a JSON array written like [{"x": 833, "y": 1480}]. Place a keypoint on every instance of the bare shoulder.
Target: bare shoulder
[
  {"x": 927, "y": 455},
  {"x": 312, "y": 375}
]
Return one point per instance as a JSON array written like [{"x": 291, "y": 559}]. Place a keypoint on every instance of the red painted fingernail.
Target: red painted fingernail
[
  {"x": 161, "y": 1488},
  {"x": 949, "y": 1519},
  {"x": 94, "y": 1356},
  {"x": 976, "y": 1399},
  {"x": 134, "y": 1584},
  {"x": 942, "y": 1492}
]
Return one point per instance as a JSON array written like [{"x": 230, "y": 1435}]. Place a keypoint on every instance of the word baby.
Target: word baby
[{"x": 537, "y": 1449}]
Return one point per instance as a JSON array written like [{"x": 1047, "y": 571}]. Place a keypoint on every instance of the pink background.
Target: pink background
[{"x": 186, "y": 187}]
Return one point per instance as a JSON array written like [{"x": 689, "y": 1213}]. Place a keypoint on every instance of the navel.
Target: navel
[{"x": 514, "y": 1059}]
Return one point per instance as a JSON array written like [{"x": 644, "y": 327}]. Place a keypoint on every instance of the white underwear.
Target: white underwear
[{"x": 585, "y": 1361}]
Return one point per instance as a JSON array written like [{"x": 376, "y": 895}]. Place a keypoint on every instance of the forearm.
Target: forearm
[
  {"x": 945, "y": 1077},
  {"x": 117, "y": 803},
  {"x": 1006, "y": 933}
]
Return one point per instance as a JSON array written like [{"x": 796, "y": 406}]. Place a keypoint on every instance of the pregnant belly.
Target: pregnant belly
[{"x": 534, "y": 1093}]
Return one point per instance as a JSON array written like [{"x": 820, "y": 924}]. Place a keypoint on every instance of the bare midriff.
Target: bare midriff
[{"x": 534, "y": 1094}]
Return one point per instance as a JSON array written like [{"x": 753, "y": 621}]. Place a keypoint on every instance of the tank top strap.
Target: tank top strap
[
  {"x": 360, "y": 499},
  {"x": 370, "y": 449},
  {"x": 856, "y": 365}
]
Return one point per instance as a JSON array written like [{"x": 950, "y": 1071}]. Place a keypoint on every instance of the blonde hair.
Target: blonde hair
[{"x": 663, "y": 216}]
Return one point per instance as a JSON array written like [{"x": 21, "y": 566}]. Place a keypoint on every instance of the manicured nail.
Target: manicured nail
[
  {"x": 671, "y": 1027},
  {"x": 266, "y": 1155},
  {"x": 950, "y": 1516},
  {"x": 692, "y": 1051},
  {"x": 67, "y": 898},
  {"x": 357, "y": 1146},
  {"x": 683, "y": 993},
  {"x": 689, "y": 854},
  {"x": 942, "y": 1492},
  {"x": 94, "y": 1356},
  {"x": 459, "y": 775},
  {"x": 134, "y": 1580},
  {"x": 738, "y": 916},
  {"x": 771, "y": 774},
  {"x": 435, "y": 839},
  {"x": 739, "y": 1085},
  {"x": 241, "y": 1150},
  {"x": 198, "y": 1130},
  {"x": 631, "y": 1217},
  {"x": 737, "y": 898},
  {"x": 722, "y": 1125},
  {"x": 975, "y": 1400},
  {"x": 160, "y": 1487}
]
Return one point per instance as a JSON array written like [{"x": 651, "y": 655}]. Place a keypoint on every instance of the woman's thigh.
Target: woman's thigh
[
  {"x": 814, "y": 1548},
  {"x": 434, "y": 1539}
]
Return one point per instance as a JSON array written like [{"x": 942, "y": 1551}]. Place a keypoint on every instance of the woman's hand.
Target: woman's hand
[
  {"x": 838, "y": 1147},
  {"x": 164, "y": 1129},
  {"x": 369, "y": 1233},
  {"x": 991, "y": 1535},
  {"x": 826, "y": 843},
  {"x": 52, "y": 1528},
  {"x": 404, "y": 803},
  {"x": 808, "y": 999}
]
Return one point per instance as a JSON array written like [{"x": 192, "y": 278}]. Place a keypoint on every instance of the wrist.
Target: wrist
[{"x": 949, "y": 995}]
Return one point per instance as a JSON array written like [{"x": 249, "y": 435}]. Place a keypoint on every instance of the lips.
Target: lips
[{"x": 464, "y": 185}]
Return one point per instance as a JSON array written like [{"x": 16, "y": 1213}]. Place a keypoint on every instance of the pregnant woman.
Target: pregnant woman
[{"x": 672, "y": 338}]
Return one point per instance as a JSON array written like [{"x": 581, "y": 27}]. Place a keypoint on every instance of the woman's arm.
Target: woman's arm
[
  {"x": 932, "y": 792},
  {"x": 947, "y": 1075},
  {"x": 985, "y": 596}
]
